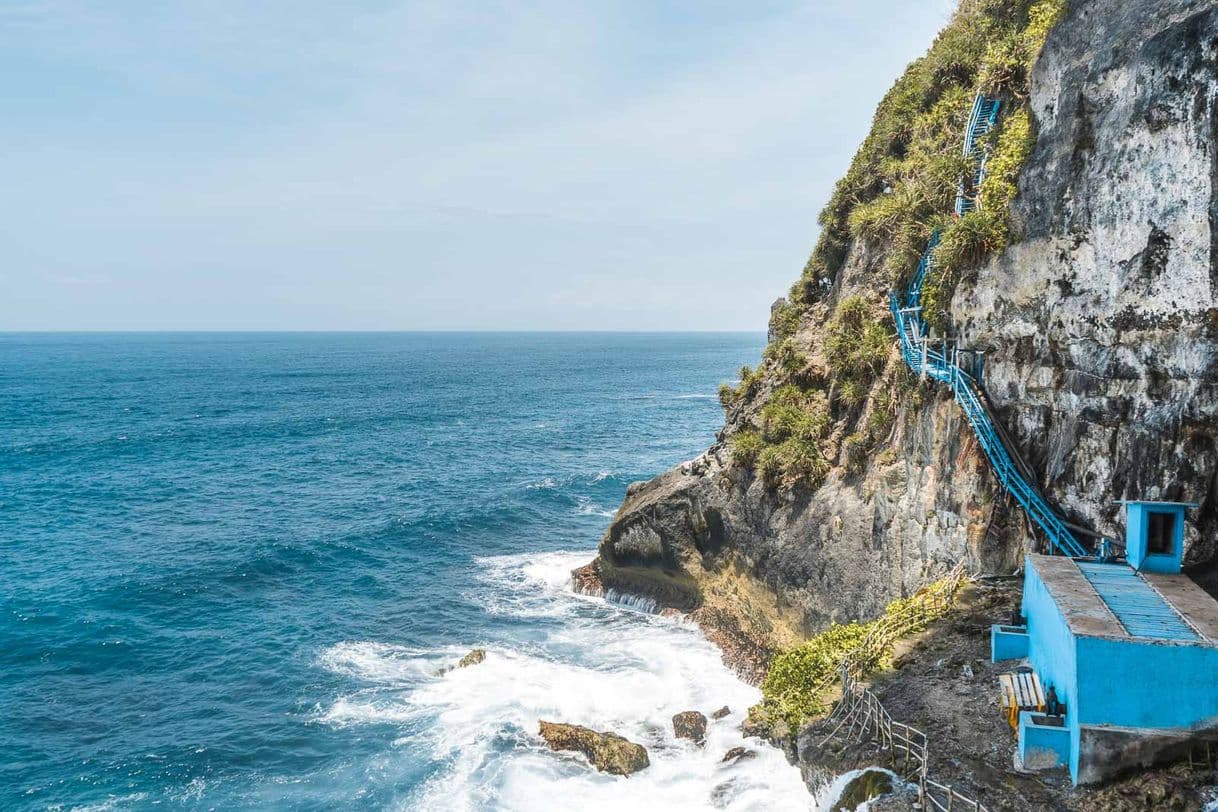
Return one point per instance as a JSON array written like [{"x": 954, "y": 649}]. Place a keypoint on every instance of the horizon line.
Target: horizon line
[{"x": 315, "y": 331}]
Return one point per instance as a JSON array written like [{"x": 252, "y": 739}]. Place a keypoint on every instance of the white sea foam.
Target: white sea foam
[
  {"x": 638, "y": 603},
  {"x": 589, "y": 508},
  {"x": 591, "y": 664}
]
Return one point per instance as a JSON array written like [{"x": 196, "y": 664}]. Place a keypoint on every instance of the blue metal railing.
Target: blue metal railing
[
  {"x": 941, "y": 363},
  {"x": 980, "y": 121}
]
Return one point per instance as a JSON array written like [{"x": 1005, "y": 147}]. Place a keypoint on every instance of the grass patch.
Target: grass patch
[
  {"x": 799, "y": 678},
  {"x": 903, "y": 177}
]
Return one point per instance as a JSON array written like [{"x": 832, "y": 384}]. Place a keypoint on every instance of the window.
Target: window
[{"x": 1160, "y": 533}]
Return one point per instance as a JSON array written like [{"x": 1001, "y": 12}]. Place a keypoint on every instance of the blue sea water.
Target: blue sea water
[{"x": 231, "y": 567}]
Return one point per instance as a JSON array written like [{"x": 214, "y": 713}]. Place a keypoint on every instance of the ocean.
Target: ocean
[{"x": 234, "y": 564}]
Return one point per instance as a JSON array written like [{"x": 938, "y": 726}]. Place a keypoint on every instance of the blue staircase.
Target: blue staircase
[
  {"x": 982, "y": 119},
  {"x": 941, "y": 362}
]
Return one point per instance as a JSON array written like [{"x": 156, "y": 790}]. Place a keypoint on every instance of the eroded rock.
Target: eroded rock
[
  {"x": 868, "y": 784},
  {"x": 690, "y": 725},
  {"x": 607, "y": 752},
  {"x": 473, "y": 658},
  {"x": 737, "y": 754}
]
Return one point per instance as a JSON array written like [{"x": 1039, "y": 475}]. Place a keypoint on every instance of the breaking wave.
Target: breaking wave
[{"x": 590, "y": 663}]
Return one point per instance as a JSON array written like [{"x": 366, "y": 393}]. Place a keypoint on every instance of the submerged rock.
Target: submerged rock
[
  {"x": 737, "y": 754},
  {"x": 474, "y": 657},
  {"x": 690, "y": 725},
  {"x": 607, "y": 752},
  {"x": 721, "y": 713}
]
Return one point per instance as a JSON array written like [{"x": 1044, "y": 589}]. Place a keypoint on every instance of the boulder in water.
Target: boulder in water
[
  {"x": 690, "y": 725},
  {"x": 607, "y": 752},
  {"x": 473, "y": 658},
  {"x": 737, "y": 754},
  {"x": 721, "y": 713}
]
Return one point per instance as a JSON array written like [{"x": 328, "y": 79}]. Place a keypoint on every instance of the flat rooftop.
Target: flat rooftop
[{"x": 1114, "y": 601}]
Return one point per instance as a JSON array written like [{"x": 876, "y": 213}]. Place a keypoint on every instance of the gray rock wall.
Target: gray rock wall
[{"x": 1100, "y": 322}]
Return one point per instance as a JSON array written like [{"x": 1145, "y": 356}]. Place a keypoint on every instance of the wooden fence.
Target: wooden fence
[{"x": 860, "y": 713}]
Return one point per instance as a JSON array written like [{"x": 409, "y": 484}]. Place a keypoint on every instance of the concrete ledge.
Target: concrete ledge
[
  {"x": 1106, "y": 751},
  {"x": 1043, "y": 745},
  {"x": 1008, "y": 643}
]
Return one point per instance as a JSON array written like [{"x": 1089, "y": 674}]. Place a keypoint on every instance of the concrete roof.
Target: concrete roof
[
  {"x": 1195, "y": 605},
  {"x": 1087, "y": 615}
]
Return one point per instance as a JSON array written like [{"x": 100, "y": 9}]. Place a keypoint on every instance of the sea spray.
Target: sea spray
[{"x": 602, "y": 667}]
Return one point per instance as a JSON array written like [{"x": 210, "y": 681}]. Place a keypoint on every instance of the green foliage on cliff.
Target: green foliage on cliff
[
  {"x": 791, "y": 687},
  {"x": 750, "y": 382},
  {"x": 903, "y": 178},
  {"x": 746, "y": 447},
  {"x": 858, "y": 342},
  {"x": 793, "y": 424},
  {"x": 899, "y": 188},
  {"x": 798, "y": 680}
]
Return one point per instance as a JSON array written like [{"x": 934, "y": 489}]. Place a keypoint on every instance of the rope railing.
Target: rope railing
[{"x": 861, "y": 714}]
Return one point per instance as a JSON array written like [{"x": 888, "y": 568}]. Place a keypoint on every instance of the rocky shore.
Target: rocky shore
[{"x": 1098, "y": 318}]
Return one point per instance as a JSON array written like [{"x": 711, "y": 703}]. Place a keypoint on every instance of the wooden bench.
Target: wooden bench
[{"x": 1020, "y": 692}]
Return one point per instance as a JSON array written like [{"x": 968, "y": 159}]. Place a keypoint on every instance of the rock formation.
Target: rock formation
[
  {"x": 1100, "y": 325},
  {"x": 607, "y": 752},
  {"x": 690, "y": 725}
]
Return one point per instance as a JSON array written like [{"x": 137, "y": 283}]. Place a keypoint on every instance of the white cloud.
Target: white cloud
[{"x": 439, "y": 164}]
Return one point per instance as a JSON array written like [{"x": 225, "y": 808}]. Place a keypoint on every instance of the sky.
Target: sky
[{"x": 428, "y": 164}]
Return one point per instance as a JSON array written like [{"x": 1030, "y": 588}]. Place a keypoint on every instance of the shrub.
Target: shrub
[
  {"x": 746, "y": 447},
  {"x": 790, "y": 684},
  {"x": 784, "y": 321},
  {"x": 750, "y": 383},
  {"x": 857, "y": 346},
  {"x": 964, "y": 244},
  {"x": 786, "y": 357},
  {"x": 791, "y": 688},
  {"x": 793, "y": 425}
]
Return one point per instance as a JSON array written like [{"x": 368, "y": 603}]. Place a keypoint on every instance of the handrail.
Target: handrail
[
  {"x": 981, "y": 120},
  {"x": 863, "y": 714},
  {"x": 940, "y": 364}
]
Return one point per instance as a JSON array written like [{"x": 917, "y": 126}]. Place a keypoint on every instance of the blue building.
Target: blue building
[{"x": 1129, "y": 649}]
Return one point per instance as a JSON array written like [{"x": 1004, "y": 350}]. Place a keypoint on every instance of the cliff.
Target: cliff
[{"x": 839, "y": 482}]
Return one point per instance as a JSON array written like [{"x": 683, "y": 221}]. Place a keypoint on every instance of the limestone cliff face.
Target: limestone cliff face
[{"x": 1100, "y": 323}]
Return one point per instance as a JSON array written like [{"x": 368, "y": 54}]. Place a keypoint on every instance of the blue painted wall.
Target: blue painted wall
[
  {"x": 1127, "y": 683},
  {"x": 1136, "y": 527},
  {"x": 1140, "y": 684},
  {"x": 1052, "y": 651},
  {"x": 1041, "y": 746},
  {"x": 1008, "y": 643}
]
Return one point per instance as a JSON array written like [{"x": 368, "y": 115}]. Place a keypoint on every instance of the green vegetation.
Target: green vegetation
[
  {"x": 835, "y": 402},
  {"x": 784, "y": 321},
  {"x": 746, "y": 447},
  {"x": 793, "y": 686},
  {"x": 793, "y": 424},
  {"x": 798, "y": 679},
  {"x": 750, "y": 382},
  {"x": 857, "y": 344},
  {"x": 903, "y": 178}
]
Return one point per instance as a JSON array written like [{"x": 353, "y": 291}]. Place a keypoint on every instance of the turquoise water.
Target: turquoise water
[{"x": 232, "y": 565}]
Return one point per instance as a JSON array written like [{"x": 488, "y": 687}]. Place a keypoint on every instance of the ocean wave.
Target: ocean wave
[
  {"x": 608, "y": 669},
  {"x": 589, "y": 508}
]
